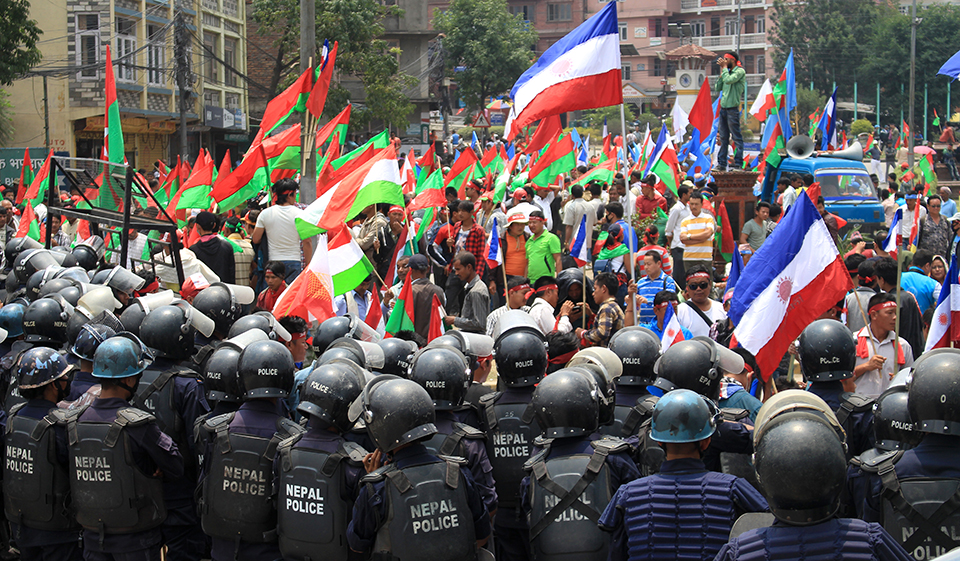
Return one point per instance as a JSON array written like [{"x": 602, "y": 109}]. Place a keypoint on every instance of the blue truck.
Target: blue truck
[{"x": 845, "y": 185}]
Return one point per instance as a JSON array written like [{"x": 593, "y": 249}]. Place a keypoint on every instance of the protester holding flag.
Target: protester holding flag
[
  {"x": 650, "y": 200},
  {"x": 880, "y": 353},
  {"x": 731, "y": 83},
  {"x": 278, "y": 223}
]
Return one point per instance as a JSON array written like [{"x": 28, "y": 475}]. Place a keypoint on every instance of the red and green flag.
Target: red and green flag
[
  {"x": 318, "y": 96},
  {"x": 26, "y": 176},
  {"x": 250, "y": 177},
  {"x": 929, "y": 175},
  {"x": 559, "y": 158},
  {"x": 283, "y": 153},
  {"x": 462, "y": 169},
  {"x": 282, "y": 106},
  {"x": 38, "y": 187},
  {"x": 431, "y": 193},
  {"x": 196, "y": 190},
  {"x": 29, "y": 226},
  {"x": 338, "y": 125},
  {"x": 378, "y": 142},
  {"x": 493, "y": 162},
  {"x": 108, "y": 196},
  {"x": 724, "y": 235},
  {"x": 936, "y": 118},
  {"x": 604, "y": 173},
  {"x": 401, "y": 318}
]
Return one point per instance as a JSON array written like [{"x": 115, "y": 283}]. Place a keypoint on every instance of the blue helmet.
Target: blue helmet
[
  {"x": 118, "y": 357},
  {"x": 683, "y": 416},
  {"x": 11, "y": 319},
  {"x": 90, "y": 337}
]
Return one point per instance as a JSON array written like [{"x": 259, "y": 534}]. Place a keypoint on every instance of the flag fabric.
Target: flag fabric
[
  {"x": 936, "y": 118},
  {"x": 41, "y": 181},
  {"x": 558, "y": 158},
  {"x": 945, "y": 327},
  {"x": 494, "y": 249},
  {"x": 736, "y": 267},
  {"x": 377, "y": 181},
  {"x": 789, "y": 77},
  {"x": 664, "y": 163},
  {"x": 375, "y": 313},
  {"x": 399, "y": 250},
  {"x": 283, "y": 153},
  {"x": 725, "y": 239},
  {"x": 680, "y": 121},
  {"x": 580, "y": 71},
  {"x": 672, "y": 330},
  {"x": 951, "y": 68},
  {"x": 814, "y": 122},
  {"x": 436, "y": 328},
  {"x": 28, "y": 224},
  {"x": 702, "y": 114},
  {"x": 283, "y": 105},
  {"x": 892, "y": 241},
  {"x": 250, "y": 177},
  {"x": 337, "y": 125},
  {"x": 431, "y": 194},
  {"x": 112, "y": 133},
  {"x": 548, "y": 129},
  {"x": 929, "y": 176},
  {"x": 378, "y": 142},
  {"x": 461, "y": 170},
  {"x": 318, "y": 95},
  {"x": 327, "y": 177},
  {"x": 429, "y": 159},
  {"x": 196, "y": 191},
  {"x": 401, "y": 318},
  {"x": 580, "y": 244},
  {"x": 603, "y": 172},
  {"x": 764, "y": 102},
  {"x": 349, "y": 266},
  {"x": 310, "y": 295},
  {"x": 26, "y": 177},
  {"x": 788, "y": 283},
  {"x": 828, "y": 123}
]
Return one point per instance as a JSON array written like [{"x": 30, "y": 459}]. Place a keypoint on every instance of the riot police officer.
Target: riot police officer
[
  {"x": 926, "y": 478},
  {"x": 639, "y": 350},
  {"x": 118, "y": 459},
  {"x": 223, "y": 303},
  {"x": 563, "y": 517},
  {"x": 319, "y": 472},
  {"x": 44, "y": 325},
  {"x": 237, "y": 508},
  {"x": 11, "y": 322},
  {"x": 801, "y": 464},
  {"x": 174, "y": 395},
  {"x": 605, "y": 367},
  {"x": 329, "y": 330},
  {"x": 827, "y": 356},
  {"x": 701, "y": 505},
  {"x": 443, "y": 372},
  {"x": 90, "y": 337},
  {"x": 511, "y": 429},
  {"x": 399, "y": 414},
  {"x": 36, "y": 486},
  {"x": 478, "y": 349}
]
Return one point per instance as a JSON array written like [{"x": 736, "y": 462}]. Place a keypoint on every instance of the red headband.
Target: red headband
[
  {"x": 525, "y": 287},
  {"x": 546, "y": 287},
  {"x": 866, "y": 280},
  {"x": 298, "y": 336},
  {"x": 882, "y": 305},
  {"x": 537, "y": 218},
  {"x": 698, "y": 275},
  {"x": 395, "y": 208},
  {"x": 562, "y": 359}
]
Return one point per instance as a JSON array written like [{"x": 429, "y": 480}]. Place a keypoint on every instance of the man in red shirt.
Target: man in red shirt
[
  {"x": 273, "y": 274},
  {"x": 649, "y": 199}
]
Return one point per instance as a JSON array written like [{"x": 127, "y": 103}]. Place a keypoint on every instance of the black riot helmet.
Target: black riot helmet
[
  {"x": 138, "y": 308},
  {"x": 893, "y": 429},
  {"x": 219, "y": 303},
  {"x": 933, "y": 397},
  {"x": 396, "y": 412},
  {"x": 40, "y": 366},
  {"x": 396, "y": 356},
  {"x": 802, "y": 468},
  {"x": 638, "y": 349},
  {"x": 89, "y": 252},
  {"x": 606, "y": 392},
  {"x": 220, "y": 377},
  {"x": 168, "y": 331},
  {"x": 566, "y": 403},
  {"x": 521, "y": 356},
  {"x": 264, "y": 321},
  {"x": 827, "y": 351},
  {"x": 90, "y": 337},
  {"x": 330, "y": 330},
  {"x": 328, "y": 392},
  {"x": 45, "y": 321},
  {"x": 37, "y": 280},
  {"x": 71, "y": 293},
  {"x": 697, "y": 364},
  {"x": 266, "y": 369},
  {"x": 56, "y": 285},
  {"x": 33, "y": 260},
  {"x": 445, "y": 374},
  {"x": 16, "y": 246}
]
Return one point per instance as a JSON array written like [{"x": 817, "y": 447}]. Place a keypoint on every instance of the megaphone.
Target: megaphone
[
  {"x": 800, "y": 147},
  {"x": 852, "y": 152}
]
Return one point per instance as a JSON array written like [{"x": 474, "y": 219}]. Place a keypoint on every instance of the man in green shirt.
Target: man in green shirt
[
  {"x": 732, "y": 81},
  {"x": 543, "y": 249}
]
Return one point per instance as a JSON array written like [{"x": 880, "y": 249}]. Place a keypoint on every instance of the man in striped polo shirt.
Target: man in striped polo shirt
[
  {"x": 648, "y": 286},
  {"x": 696, "y": 233}
]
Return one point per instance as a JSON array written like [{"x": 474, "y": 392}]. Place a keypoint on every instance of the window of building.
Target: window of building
[
  {"x": 156, "y": 54},
  {"x": 698, "y": 28},
  {"x": 230, "y": 58},
  {"x": 748, "y": 64},
  {"x": 625, "y": 72},
  {"x": 525, "y": 11},
  {"x": 657, "y": 67},
  {"x": 126, "y": 45},
  {"x": 231, "y": 101},
  {"x": 559, "y": 12},
  {"x": 761, "y": 24},
  {"x": 211, "y": 98},
  {"x": 623, "y": 31},
  {"x": 88, "y": 45},
  {"x": 730, "y": 26},
  {"x": 761, "y": 64},
  {"x": 210, "y": 66},
  {"x": 658, "y": 28},
  {"x": 230, "y": 8}
]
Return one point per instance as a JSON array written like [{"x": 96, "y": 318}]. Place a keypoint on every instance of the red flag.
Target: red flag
[
  {"x": 464, "y": 163},
  {"x": 23, "y": 185},
  {"x": 341, "y": 120},
  {"x": 389, "y": 280},
  {"x": 436, "y": 320},
  {"x": 40, "y": 181},
  {"x": 326, "y": 171},
  {"x": 318, "y": 96},
  {"x": 333, "y": 176},
  {"x": 726, "y": 232},
  {"x": 813, "y": 191},
  {"x": 374, "y": 312},
  {"x": 240, "y": 176},
  {"x": 28, "y": 220},
  {"x": 701, "y": 115},
  {"x": 548, "y": 131},
  {"x": 429, "y": 159},
  {"x": 280, "y": 106}
]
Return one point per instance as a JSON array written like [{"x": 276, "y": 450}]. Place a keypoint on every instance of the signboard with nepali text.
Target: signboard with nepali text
[{"x": 11, "y": 160}]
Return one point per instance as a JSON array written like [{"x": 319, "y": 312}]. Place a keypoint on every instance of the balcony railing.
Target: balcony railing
[
  {"x": 748, "y": 40},
  {"x": 697, "y": 5}
]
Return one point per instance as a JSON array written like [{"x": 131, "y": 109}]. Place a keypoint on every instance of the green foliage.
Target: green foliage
[
  {"x": 493, "y": 47},
  {"x": 6, "y": 119},
  {"x": 861, "y": 126},
  {"x": 593, "y": 120},
  {"x": 356, "y": 24},
  {"x": 18, "y": 40},
  {"x": 808, "y": 101}
]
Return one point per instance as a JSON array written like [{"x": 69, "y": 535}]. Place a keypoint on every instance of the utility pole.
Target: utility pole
[
  {"x": 308, "y": 53},
  {"x": 913, "y": 86},
  {"x": 46, "y": 116},
  {"x": 183, "y": 78}
]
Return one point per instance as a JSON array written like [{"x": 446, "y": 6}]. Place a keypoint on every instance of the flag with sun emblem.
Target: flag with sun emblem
[{"x": 945, "y": 327}]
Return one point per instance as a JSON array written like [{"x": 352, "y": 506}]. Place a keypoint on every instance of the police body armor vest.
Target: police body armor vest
[
  {"x": 428, "y": 516},
  {"x": 511, "y": 431},
  {"x": 110, "y": 493},
  {"x": 237, "y": 490},
  {"x": 313, "y": 505},
  {"x": 155, "y": 395},
  {"x": 851, "y": 403},
  {"x": 8, "y": 370},
  {"x": 36, "y": 487},
  {"x": 630, "y": 418},
  {"x": 923, "y": 514},
  {"x": 567, "y": 496},
  {"x": 452, "y": 444}
]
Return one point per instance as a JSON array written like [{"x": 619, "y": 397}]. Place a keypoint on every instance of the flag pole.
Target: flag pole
[
  {"x": 630, "y": 233},
  {"x": 583, "y": 310}
]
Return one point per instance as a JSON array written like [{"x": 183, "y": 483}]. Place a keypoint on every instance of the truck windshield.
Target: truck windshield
[{"x": 845, "y": 183}]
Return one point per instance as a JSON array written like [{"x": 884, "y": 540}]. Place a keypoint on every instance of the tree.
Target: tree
[
  {"x": 6, "y": 119},
  {"x": 861, "y": 126},
  {"x": 485, "y": 48},
  {"x": 593, "y": 120},
  {"x": 18, "y": 40},
  {"x": 808, "y": 101},
  {"x": 356, "y": 24}
]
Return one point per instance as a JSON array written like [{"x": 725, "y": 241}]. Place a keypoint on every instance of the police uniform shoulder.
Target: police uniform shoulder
[
  {"x": 354, "y": 452},
  {"x": 734, "y": 413},
  {"x": 62, "y": 416},
  {"x": 873, "y": 460},
  {"x": 378, "y": 475},
  {"x": 489, "y": 398},
  {"x": 289, "y": 442},
  {"x": 288, "y": 427},
  {"x": 540, "y": 456},
  {"x": 135, "y": 417},
  {"x": 540, "y": 442},
  {"x": 611, "y": 444},
  {"x": 469, "y": 432},
  {"x": 15, "y": 408},
  {"x": 453, "y": 459},
  {"x": 213, "y": 423},
  {"x": 857, "y": 401}
]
